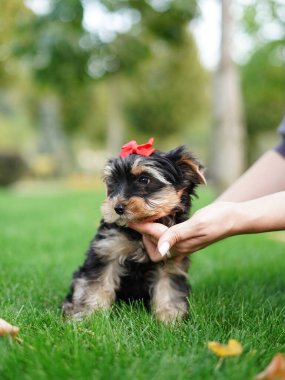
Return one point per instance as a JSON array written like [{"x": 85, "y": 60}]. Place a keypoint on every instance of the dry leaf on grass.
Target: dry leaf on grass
[
  {"x": 233, "y": 348},
  {"x": 275, "y": 369},
  {"x": 7, "y": 329}
]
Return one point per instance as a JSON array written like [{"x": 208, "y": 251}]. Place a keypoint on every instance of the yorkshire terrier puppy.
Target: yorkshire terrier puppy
[{"x": 142, "y": 185}]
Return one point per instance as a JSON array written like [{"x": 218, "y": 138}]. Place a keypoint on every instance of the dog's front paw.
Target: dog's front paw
[
  {"x": 171, "y": 313},
  {"x": 79, "y": 312},
  {"x": 86, "y": 301},
  {"x": 67, "y": 308}
]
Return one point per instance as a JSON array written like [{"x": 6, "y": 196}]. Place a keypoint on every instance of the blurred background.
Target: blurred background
[{"x": 79, "y": 78}]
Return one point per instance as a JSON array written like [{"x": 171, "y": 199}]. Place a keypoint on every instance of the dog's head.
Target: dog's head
[{"x": 143, "y": 188}]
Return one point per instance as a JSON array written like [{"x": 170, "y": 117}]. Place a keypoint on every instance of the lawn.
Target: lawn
[{"x": 238, "y": 292}]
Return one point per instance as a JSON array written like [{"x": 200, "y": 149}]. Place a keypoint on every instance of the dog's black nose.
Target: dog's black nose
[{"x": 119, "y": 209}]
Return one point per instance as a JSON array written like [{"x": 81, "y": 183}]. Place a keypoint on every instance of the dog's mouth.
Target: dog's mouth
[
  {"x": 124, "y": 220},
  {"x": 139, "y": 210},
  {"x": 130, "y": 217},
  {"x": 167, "y": 220},
  {"x": 158, "y": 217}
]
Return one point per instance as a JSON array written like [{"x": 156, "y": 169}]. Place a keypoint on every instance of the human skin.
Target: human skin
[{"x": 254, "y": 203}]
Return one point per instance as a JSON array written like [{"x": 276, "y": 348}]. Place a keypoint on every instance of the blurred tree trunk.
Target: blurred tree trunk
[
  {"x": 228, "y": 149},
  {"x": 52, "y": 140},
  {"x": 115, "y": 126}
]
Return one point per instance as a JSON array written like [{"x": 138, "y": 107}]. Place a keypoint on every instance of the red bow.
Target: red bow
[{"x": 133, "y": 147}]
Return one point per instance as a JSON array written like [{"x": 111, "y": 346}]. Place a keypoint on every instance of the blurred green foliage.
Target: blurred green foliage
[
  {"x": 50, "y": 45},
  {"x": 163, "y": 89},
  {"x": 263, "y": 75},
  {"x": 166, "y": 86},
  {"x": 171, "y": 91},
  {"x": 12, "y": 14},
  {"x": 264, "y": 88}
]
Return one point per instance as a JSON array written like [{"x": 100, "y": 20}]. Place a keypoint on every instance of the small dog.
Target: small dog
[{"x": 142, "y": 185}]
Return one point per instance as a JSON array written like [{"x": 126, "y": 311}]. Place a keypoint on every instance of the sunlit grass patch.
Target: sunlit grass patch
[{"x": 238, "y": 292}]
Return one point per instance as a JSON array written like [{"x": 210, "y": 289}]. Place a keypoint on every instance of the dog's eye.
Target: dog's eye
[{"x": 144, "y": 180}]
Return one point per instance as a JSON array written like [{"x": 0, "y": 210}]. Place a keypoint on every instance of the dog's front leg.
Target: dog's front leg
[
  {"x": 90, "y": 294},
  {"x": 170, "y": 291}
]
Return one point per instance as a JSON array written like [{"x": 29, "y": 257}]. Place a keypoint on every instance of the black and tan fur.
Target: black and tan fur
[{"x": 117, "y": 267}]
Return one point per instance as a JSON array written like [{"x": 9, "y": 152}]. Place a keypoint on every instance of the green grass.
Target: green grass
[{"x": 238, "y": 292}]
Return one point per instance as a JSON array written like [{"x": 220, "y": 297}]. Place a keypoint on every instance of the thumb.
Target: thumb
[{"x": 168, "y": 239}]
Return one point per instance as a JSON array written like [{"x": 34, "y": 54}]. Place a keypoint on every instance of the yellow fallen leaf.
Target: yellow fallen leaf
[
  {"x": 275, "y": 369},
  {"x": 7, "y": 329},
  {"x": 233, "y": 348}
]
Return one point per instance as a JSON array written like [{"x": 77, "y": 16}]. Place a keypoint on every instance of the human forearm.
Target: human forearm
[
  {"x": 264, "y": 177},
  {"x": 215, "y": 222},
  {"x": 259, "y": 215}
]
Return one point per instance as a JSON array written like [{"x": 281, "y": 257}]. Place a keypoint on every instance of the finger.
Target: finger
[
  {"x": 153, "y": 239},
  {"x": 151, "y": 249},
  {"x": 167, "y": 240},
  {"x": 173, "y": 235},
  {"x": 189, "y": 246},
  {"x": 153, "y": 229}
]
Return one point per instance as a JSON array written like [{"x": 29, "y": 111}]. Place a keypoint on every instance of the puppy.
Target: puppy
[{"x": 142, "y": 185}]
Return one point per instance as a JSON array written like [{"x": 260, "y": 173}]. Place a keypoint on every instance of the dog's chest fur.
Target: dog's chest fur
[{"x": 118, "y": 253}]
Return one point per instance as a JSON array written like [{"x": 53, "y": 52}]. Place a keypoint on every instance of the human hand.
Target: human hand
[{"x": 206, "y": 226}]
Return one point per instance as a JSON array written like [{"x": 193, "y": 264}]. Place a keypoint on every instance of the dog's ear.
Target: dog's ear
[
  {"x": 191, "y": 169},
  {"x": 108, "y": 169}
]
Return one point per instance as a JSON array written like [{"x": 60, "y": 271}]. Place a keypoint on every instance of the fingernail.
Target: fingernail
[{"x": 164, "y": 248}]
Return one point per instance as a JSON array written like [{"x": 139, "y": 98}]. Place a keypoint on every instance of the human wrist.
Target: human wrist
[
  {"x": 248, "y": 218},
  {"x": 240, "y": 220},
  {"x": 262, "y": 214},
  {"x": 234, "y": 216}
]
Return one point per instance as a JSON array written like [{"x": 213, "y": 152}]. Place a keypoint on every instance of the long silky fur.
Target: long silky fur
[{"x": 117, "y": 266}]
